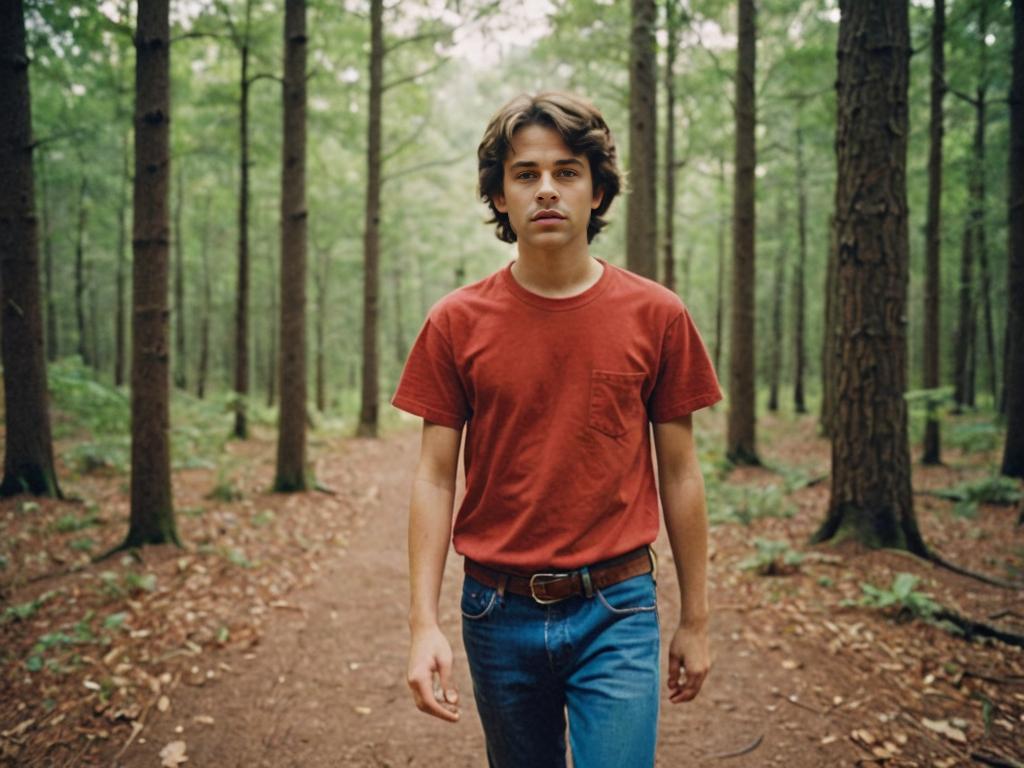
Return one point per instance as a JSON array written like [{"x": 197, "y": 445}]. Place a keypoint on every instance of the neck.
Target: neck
[{"x": 556, "y": 274}]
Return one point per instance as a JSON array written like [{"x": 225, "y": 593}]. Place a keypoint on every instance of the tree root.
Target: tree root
[{"x": 972, "y": 628}]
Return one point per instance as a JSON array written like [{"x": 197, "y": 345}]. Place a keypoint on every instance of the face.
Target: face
[{"x": 548, "y": 192}]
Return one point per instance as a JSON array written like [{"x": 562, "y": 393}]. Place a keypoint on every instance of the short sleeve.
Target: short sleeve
[
  {"x": 686, "y": 377},
  {"x": 430, "y": 385}
]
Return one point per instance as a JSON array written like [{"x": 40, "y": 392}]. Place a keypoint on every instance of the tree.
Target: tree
[
  {"x": 741, "y": 434},
  {"x": 28, "y": 448},
  {"x": 778, "y": 296},
  {"x": 291, "y": 439},
  {"x": 368, "y": 414},
  {"x": 641, "y": 204},
  {"x": 871, "y": 498},
  {"x": 672, "y": 12},
  {"x": 933, "y": 232},
  {"x": 151, "y": 519},
  {"x": 799, "y": 310},
  {"x": 1013, "y": 451}
]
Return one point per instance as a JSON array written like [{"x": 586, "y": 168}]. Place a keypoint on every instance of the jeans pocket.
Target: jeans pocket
[
  {"x": 478, "y": 600},
  {"x": 615, "y": 402},
  {"x": 634, "y": 595}
]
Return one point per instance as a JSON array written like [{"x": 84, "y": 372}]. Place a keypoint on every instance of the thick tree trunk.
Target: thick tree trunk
[
  {"x": 80, "y": 281},
  {"x": 932, "y": 453},
  {"x": 152, "y": 511},
  {"x": 241, "y": 428},
  {"x": 368, "y": 415},
  {"x": 741, "y": 438},
  {"x": 964, "y": 339},
  {"x": 799, "y": 311},
  {"x": 828, "y": 341},
  {"x": 272, "y": 333},
  {"x": 668, "y": 243},
  {"x": 1013, "y": 372},
  {"x": 641, "y": 203},
  {"x": 28, "y": 449},
  {"x": 321, "y": 320},
  {"x": 871, "y": 496},
  {"x": 121, "y": 268},
  {"x": 51, "y": 341},
  {"x": 291, "y": 441},
  {"x": 181, "y": 374},
  {"x": 778, "y": 291}
]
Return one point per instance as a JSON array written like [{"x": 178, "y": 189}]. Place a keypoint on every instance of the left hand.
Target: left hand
[{"x": 688, "y": 662}]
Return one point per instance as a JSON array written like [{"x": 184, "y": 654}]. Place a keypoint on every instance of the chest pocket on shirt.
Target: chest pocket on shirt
[{"x": 615, "y": 404}]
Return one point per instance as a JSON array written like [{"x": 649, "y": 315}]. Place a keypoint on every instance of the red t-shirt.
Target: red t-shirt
[{"x": 557, "y": 395}]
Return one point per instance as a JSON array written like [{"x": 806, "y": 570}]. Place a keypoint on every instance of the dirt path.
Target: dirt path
[{"x": 325, "y": 687}]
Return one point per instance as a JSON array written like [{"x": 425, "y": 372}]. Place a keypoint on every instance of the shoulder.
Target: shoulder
[
  {"x": 465, "y": 301},
  {"x": 650, "y": 298}
]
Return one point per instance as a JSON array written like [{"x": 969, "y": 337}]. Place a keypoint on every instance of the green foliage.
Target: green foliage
[
  {"x": 236, "y": 556},
  {"x": 126, "y": 584},
  {"x": 23, "y": 611},
  {"x": 989, "y": 490},
  {"x": 86, "y": 403},
  {"x": 974, "y": 436},
  {"x": 902, "y": 600},
  {"x": 71, "y": 522},
  {"x": 743, "y": 504},
  {"x": 773, "y": 558}
]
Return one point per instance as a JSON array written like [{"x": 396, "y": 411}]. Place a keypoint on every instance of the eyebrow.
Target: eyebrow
[{"x": 533, "y": 164}]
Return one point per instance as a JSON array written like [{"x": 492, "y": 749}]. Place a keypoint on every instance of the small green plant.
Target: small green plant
[
  {"x": 70, "y": 522},
  {"x": 83, "y": 545},
  {"x": 743, "y": 504},
  {"x": 263, "y": 517},
  {"x": 904, "y": 602},
  {"x": 224, "y": 488},
  {"x": 24, "y": 611},
  {"x": 111, "y": 453},
  {"x": 236, "y": 556},
  {"x": 773, "y": 558},
  {"x": 988, "y": 490},
  {"x": 974, "y": 437}
]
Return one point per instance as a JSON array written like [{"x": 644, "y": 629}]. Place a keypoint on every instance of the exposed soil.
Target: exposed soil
[{"x": 278, "y": 637}]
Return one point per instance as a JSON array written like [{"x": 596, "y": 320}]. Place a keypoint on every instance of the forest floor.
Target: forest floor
[{"x": 277, "y": 636}]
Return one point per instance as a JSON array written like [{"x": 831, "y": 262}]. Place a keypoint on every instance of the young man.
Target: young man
[{"x": 556, "y": 365}]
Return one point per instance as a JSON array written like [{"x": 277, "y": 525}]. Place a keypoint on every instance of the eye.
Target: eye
[
  {"x": 568, "y": 172},
  {"x": 525, "y": 175}
]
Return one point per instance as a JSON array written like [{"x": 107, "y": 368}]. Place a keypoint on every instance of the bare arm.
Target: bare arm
[
  {"x": 430, "y": 525},
  {"x": 682, "y": 498}
]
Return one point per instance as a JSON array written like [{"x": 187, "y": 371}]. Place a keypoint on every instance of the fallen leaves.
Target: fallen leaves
[{"x": 173, "y": 755}]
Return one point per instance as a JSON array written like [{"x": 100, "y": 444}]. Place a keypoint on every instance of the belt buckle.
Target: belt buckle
[{"x": 552, "y": 577}]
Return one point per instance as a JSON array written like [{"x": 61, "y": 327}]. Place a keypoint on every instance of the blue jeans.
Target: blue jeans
[{"x": 596, "y": 658}]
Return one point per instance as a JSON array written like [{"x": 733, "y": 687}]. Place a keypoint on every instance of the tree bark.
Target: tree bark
[
  {"x": 1013, "y": 371},
  {"x": 152, "y": 512},
  {"x": 828, "y": 342},
  {"x": 368, "y": 415},
  {"x": 799, "y": 310},
  {"x": 672, "y": 24},
  {"x": 742, "y": 437},
  {"x": 241, "y": 429},
  {"x": 321, "y": 320},
  {"x": 28, "y": 449},
  {"x": 932, "y": 453},
  {"x": 871, "y": 498},
  {"x": 51, "y": 341},
  {"x": 80, "y": 280},
  {"x": 291, "y": 441},
  {"x": 207, "y": 308},
  {"x": 641, "y": 203},
  {"x": 181, "y": 374},
  {"x": 272, "y": 358},
  {"x": 778, "y": 290},
  {"x": 720, "y": 277}
]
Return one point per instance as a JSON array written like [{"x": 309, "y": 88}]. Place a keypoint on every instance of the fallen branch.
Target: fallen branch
[
  {"x": 972, "y": 628},
  {"x": 749, "y": 748},
  {"x": 987, "y": 758}
]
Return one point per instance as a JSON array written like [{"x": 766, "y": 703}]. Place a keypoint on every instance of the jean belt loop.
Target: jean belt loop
[
  {"x": 502, "y": 583},
  {"x": 588, "y": 586}
]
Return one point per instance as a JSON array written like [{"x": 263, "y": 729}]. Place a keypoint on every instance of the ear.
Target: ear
[
  {"x": 498, "y": 198},
  {"x": 598, "y": 198}
]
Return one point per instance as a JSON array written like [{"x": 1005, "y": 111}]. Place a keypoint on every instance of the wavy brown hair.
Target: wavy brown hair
[{"x": 581, "y": 127}]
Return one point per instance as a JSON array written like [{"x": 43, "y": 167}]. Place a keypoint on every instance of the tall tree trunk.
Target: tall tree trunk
[
  {"x": 932, "y": 453},
  {"x": 741, "y": 437},
  {"x": 291, "y": 441},
  {"x": 672, "y": 23},
  {"x": 871, "y": 496},
  {"x": 720, "y": 277},
  {"x": 778, "y": 289},
  {"x": 641, "y": 204},
  {"x": 181, "y": 373},
  {"x": 242, "y": 289},
  {"x": 152, "y": 512},
  {"x": 202, "y": 368},
  {"x": 799, "y": 311},
  {"x": 1013, "y": 371},
  {"x": 368, "y": 415},
  {"x": 987, "y": 322},
  {"x": 119, "y": 271},
  {"x": 51, "y": 340},
  {"x": 829, "y": 347},
  {"x": 272, "y": 318},
  {"x": 28, "y": 449},
  {"x": 964, "y": 330},
  {"x": 80, "y": 282}
]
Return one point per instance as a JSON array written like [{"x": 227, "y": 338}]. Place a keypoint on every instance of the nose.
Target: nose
[{"x": 546, "y": 192}]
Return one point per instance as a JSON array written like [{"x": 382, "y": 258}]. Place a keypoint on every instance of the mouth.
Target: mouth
[{"x": 547, "y": 214}]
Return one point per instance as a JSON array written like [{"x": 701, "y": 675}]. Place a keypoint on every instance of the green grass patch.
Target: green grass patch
[
  {"x": 728, "y": 503},
  {"x": 773, "y": 558},
  {"x": 25, "y": 611}
]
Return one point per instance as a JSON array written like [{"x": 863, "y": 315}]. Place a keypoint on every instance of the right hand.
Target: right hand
[{"x": 430, "y": 658}]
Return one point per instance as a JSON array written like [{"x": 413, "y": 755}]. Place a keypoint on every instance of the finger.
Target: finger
[
  {"x": 690, "y": 688},
  {"x": 425, "y": 702},
  {"x": 449, "y": 692},
  {"x": 673, "y": 671}
]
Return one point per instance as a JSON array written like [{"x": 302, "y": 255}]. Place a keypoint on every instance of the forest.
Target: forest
[{"x": 223, "y": 223}]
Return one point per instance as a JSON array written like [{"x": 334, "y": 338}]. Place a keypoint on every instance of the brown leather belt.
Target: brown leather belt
[{"x": 551, "y": 587}]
